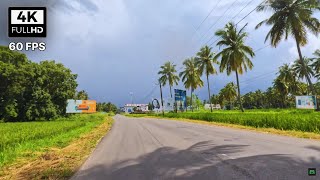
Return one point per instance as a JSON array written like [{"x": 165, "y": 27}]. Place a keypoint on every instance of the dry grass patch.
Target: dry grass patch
[{"x": 58, "y": 163}]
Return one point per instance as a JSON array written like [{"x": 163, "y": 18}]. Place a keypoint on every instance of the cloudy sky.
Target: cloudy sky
[{"x": 117, "y": 46}]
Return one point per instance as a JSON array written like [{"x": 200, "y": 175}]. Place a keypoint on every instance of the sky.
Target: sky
[{"x": 117, "y": 46}]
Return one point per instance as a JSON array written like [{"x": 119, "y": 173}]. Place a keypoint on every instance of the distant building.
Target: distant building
[
  {"x": 214, "y": 106},
  {"x": 129, "y": 108}
]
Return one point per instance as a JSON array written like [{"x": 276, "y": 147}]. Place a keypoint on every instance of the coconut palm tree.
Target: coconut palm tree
[
  {"x": 235, "y": 57},
  {"x": 300, "y": 71},
  {"x": 168, "y": 74},
  {"x": 291, "y": 17},
  {"x": 191, "y": 76},
  {"x": 282, "y": 88},
  {"x": 288, "y": 77},
  {"x": 286, "y": 74},
  {"x": 229, "y": 92},
  {"x": 316, "y": 64},
  {"x": 204, "y": 61}
]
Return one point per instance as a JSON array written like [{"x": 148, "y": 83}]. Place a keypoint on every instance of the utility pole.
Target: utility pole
[
  {"x": 131, "y": 94},
  {"x": 161, "y": 98}
]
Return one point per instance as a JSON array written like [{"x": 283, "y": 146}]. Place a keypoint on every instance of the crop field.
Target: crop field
[
  {"x": 22, "y": 139},
  {"x": 299, "y": 120}
]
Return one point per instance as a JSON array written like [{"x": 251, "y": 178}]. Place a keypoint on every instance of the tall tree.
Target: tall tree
[
  {"x": 190, "y": 76},
  {"x": 291, "y": 17},
  {"x": 205, "y": 62},
  {"x": 235, "y": 57},
  {"x": 168, "y": 74},
  {"x": 316, "y": 63},
  {"x": 33, "y": 91}
]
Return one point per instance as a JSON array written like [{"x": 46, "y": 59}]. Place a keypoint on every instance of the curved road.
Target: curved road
[{"x": 145, "y": 149}]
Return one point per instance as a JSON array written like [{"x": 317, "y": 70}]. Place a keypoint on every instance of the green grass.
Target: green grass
[
  {"x": 18, "y": 140},
  {"x": 298, "y": 120}
]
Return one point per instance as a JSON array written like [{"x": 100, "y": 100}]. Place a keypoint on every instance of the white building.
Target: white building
[
  {"x": 214, "y": 106},
  {"x": 129, "y": 108}
]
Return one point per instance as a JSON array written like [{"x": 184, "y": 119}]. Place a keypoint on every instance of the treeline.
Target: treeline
[
  {"x": 107, "y": 107},
  {"x": 276, "y": 96},
  {"x": 32, "y": 91},
  {"x": 287, "y": 84}
]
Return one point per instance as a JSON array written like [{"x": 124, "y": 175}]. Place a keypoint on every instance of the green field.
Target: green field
[
  {"x": 23, "y": 139},
  {"x": 298, "y": 120}
]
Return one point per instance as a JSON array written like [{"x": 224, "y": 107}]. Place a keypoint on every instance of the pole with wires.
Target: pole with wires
[{"x": 162, "y": 108}]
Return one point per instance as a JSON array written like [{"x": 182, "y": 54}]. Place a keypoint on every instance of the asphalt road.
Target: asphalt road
[{"x": 140, "y": 148}]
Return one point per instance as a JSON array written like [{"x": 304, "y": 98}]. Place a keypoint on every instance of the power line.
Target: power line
[
  {"x": 148, "y": 94},
  {"x": 262, "y": 48},
  {"x": 237, "y": 22},
  {"x": 258, "y": 77},
  {"x": 248, "y": 3},
  {"x": 251, "y": 12},
  {"x": 218, "y": 19},
  {"x": 208, "y": 15},
  {"x": 242, "y": 9}
]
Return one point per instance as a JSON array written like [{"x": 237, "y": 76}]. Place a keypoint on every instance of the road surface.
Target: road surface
[{"x": 145, "y": 149}]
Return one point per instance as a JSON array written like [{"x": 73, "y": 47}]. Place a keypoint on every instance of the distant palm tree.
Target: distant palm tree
[
  {"x": 190, "y": 76},
  {"x": 316, "y": 64},
  {"x": 288, "y": 77},
  {"x": 282, "y": 88},
  {"x": 204, "y": 61},
  {"x": 168, "y": 74},
  {"x": 291, "y": 17},
  {"x": 286, "y": 73},
  {"x": 229, "y": 92},
  {"x": 301, "y": 72},
  {"x": 235, "y": 57},
  {"x": 82, "y": 95}
]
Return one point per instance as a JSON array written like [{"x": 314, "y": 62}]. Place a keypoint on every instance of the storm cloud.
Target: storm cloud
[{"x": 117, "y": 46}]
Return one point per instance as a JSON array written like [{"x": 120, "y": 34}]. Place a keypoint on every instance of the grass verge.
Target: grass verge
[
  {"x": 60, "y": 156},
  {"x": 292, "y": 133}
]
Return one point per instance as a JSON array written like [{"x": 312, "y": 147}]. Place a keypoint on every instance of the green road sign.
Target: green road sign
[{"x": 312, "y": 171}]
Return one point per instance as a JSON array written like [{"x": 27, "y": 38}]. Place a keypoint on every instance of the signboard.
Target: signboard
[
  {"x": 168, "y": 105},
  {"x": 81, "y": 106},
  {"x": 306, "y": 102},
  {"x": 180, "y": 97}
]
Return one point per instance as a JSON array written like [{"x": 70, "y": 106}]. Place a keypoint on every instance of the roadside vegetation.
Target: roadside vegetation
[
  {"x": 288, "y": 122},
  {"x": 34, "y": 142},
  {"x": 34, "y": 126},
  {"x": 32, "y": 91},
  {"x": 289, "y": 19},
  {"x": 307, "y": 121}
]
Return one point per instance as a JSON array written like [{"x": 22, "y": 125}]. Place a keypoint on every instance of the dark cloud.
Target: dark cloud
[{"x": 120, "y": 49}]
